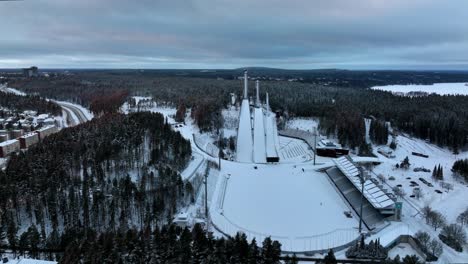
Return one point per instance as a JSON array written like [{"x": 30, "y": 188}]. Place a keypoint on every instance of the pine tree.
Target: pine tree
[
  {"x": 2, "y": 235},
  {"x": 11, "y": 236},
  {"x": 330, "y": 257}
]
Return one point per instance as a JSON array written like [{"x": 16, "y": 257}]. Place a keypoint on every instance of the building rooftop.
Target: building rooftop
[{"x": 8, "y": 142}]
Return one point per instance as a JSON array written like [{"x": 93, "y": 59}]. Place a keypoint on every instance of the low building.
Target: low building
[
  {"x": 46, "y": 131},
  {"x": 28, "y": 140},
  {"x": 182, "y": 219},
  {"x": 49, "y": 122},
  {"x": 8, "y": 147},
  {"x": 3, "y": 138},
  {"x": 16, "y": 133}
]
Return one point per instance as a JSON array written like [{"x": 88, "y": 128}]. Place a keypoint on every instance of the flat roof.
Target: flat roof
[{"x": 8, "y": 142}]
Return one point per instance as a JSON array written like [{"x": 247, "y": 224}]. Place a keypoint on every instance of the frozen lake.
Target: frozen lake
[{"x": 438, "y": 88}]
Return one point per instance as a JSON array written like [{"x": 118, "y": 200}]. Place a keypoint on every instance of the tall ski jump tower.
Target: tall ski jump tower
[
  {"x": 244, "y": 133},
  {"x": 259, "y": 150}
]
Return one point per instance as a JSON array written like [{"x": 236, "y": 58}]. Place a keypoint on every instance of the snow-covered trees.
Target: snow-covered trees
[
  {"x": 405, "y": 164},
  {"x": 454, "y": 236},
  {"x": 169, "y": 244},
  {"x": 437, "y": 220},
  {"x": 379, "y": 132},
  {"x": 433, "y": 218},
  {"x": 460, "y": 168},
  {"x": 114, "y": 172},
  {"x": 29, "y": 102},
  {"x": 432, "y": 247},
  {"x": 462, "y": 219},
  {"x": 438, "y": 173},
  {"x": 435, "y": 247},
  {"x": 372, "y": 250}
]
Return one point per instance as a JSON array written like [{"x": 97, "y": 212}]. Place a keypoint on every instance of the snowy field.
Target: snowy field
[
  {"x": 299, "y": 208},
  {"x": 438, "y": 88},
  {"x": 302, "y": 123},
  {"x": 449, "y": 202},
  {"x": 456, "y": 198}
]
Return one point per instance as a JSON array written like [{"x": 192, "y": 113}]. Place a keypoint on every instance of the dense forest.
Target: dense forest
[
  {"x": 30, "y": 102},
  {"x": 112, "y": 173},
  {"x": 170, "y": 245},
  {"x": 443, "y": 120}
]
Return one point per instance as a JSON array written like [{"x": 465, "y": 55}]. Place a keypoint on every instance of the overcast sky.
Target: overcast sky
[{"x": 305, "y": 34}]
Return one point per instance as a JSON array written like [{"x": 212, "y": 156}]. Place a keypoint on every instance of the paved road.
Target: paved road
[{"x": 73, "y": 110}]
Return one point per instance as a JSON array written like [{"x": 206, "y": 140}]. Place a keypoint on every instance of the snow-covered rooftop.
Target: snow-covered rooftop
[
  {"x": 372, "y": 192},
  {"x": 8, "y": 142}
]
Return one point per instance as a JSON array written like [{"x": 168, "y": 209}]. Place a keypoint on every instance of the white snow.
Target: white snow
[
  {"x": 302, "y": 123},
  {"x": 272, "y": 139},
  {"x": 438, "y": 88},
  {"x": 450, "y": 203},
  {"x": 259, "y": 141},
  {"x": 22, "y": 260},
  {"x": 244, "y": 136},
  {"x": 403, "y": 249},
  {"x": 86, "y": 113},
  {"x": 11, "y": 90},
  {"x": 299, "y": 208}
]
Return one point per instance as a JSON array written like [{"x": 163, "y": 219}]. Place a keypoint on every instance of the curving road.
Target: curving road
[{"x": 73, "y": 111}]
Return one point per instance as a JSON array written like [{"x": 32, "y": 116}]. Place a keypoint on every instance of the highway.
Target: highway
[{"x": 75, "y": 114}]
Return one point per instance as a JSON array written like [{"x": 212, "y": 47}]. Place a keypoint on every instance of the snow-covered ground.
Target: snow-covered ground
[
  {"x": 438, "y": 88},
  {"x": 11, "y": 90},
  {"x": 450, "y": 202},
  {"x": 300, "y": 208},
  {"x": 23, "y": 260},
  {"x": 302, "y": 123},
  {"x": 231, "y": 119},
  {"x": 402, "y": 250},
  {"x": 456, "y": 198}
]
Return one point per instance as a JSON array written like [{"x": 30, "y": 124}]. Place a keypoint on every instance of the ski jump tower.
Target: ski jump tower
[
  {"x": 244, "y": 145},
  {"x": 259, "y": 130}
]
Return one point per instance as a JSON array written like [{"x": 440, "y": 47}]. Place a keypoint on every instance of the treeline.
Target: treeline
[
  {"x": 443, "y": 120},
  {"x": 109, "y": 103},
  {"x": 112, "y": 173},
  {"x": 29, "y": 102},
  {"x": 169, "y": 245}
]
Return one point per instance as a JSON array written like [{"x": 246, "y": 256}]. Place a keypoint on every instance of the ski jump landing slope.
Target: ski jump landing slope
[
  {"x": 244, "y": 134},
  {"x": 299, "y": 208},
  {"x": 272, "y": 140},
  {"x": 259, "y": 136}
]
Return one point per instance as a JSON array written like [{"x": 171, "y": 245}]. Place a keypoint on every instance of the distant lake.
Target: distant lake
[{"x": 438, "y": 88}]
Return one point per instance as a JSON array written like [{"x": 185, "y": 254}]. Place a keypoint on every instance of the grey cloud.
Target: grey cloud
[{"x": 224, "y": 33}]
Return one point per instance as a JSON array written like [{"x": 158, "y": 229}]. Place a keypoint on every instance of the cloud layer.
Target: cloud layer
[{"x": 397, "y": 34}]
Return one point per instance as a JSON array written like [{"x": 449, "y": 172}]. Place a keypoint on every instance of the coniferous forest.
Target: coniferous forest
[
  {"x": 111, "y": 174},
  {"x": 170, "y": 244},
  {"x": 333, "y": 96},
  {"x": 19, "y": 103}
]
